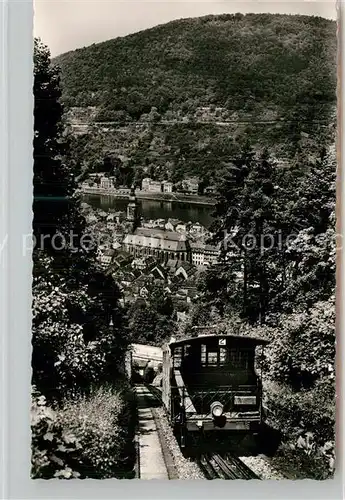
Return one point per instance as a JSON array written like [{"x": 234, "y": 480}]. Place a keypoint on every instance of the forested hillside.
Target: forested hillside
[{"x": 187, "y": 94}]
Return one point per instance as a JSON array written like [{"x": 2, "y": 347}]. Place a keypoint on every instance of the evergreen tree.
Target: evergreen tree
[
  {"x": 246, "y": 219},
  {"x": 310, "y": 258},
  {"x": 54, "y": 202},
  {"x": 280, "y": 252}
]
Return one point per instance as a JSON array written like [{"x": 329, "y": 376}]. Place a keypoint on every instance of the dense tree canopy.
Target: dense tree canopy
[
  {"x": 282, "y": 287},
  {"x": 151, "y": 321},
  {"x": 278, "y": 230},
  {"x": 221, "y": 60},
  {"x": 54, "y": 202},
  {"x": 79, "y": 334}
]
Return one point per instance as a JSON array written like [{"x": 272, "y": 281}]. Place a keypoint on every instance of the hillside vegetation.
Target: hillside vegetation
[{"x": 187, "y": 94}]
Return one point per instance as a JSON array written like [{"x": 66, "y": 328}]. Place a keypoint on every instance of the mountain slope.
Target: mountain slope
[{"x": 276, "y": 69}]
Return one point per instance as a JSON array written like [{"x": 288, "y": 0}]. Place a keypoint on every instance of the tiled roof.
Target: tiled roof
[
  {"x": 171, "y": 263},
  {"x": 158, "y": 270},
  {"x": 175, "y": 221},
  {"x": 198, "y": 246},
  {"x": 186, "y": 265},
  {"x": 131, "y": 275},
  {"x": 109, "y": 253}
]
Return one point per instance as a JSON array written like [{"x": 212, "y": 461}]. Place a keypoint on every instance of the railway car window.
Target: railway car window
[
  {"x": 177, "y": 357},
  {"x": 223, "y": 355},
  {"x": 239, "y": 358},
  {"x": 212, "y": 358},
  {"x": 203, "y": 355}
]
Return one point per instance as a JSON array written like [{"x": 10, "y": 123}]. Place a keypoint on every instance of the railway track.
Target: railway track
[
  {"x": 215, "y": 466},
  {"x": 155, "y": 393}
]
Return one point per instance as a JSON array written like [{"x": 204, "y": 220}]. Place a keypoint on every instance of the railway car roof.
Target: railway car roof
[{"x": 248, "y": 340}]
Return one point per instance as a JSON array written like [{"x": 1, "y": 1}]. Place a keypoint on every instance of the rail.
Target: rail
[
  {"x": 155, "y": 392},
  {"x": 214, "y": 466}
]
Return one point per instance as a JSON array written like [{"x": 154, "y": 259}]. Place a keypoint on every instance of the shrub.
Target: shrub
[
  {"x": 53, "y": 448},
  {"x": 306, "y": 418},
  {"x": 302, "y": 347},
  {"x": 91, "y": 436},
  {"x": 73, "y": 344}
]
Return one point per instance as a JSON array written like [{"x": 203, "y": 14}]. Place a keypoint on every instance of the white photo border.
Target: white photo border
[{"x": 16, "y": 125}]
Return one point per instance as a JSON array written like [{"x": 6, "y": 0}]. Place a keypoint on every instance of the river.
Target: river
[{"x": 154, "y": 209}]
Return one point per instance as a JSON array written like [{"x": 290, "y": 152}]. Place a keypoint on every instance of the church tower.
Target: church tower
[{"x": 132, "y": 210}]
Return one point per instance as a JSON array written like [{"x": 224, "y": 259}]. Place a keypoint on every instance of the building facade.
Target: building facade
[
  {"x": 204, "y": 255},
  {"x": 106, "y": 183},
  {"x": 151, "y": 185},
  {"x": 106, "y": 258},
  {"x": 145, "y": 184},
  {"x": 132, "y": 210},
  {"x": 163, "y": 245},
  {"x": 167, "y": 186},
  {"x": 191, "y": 185},
  {"x": 155, "y": 187},
  {"x": 181, "y": 227},
  {"x": 212, "y": 254}
]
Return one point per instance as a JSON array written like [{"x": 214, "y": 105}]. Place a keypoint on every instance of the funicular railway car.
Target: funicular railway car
[{"x": 210, "y": 384}]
